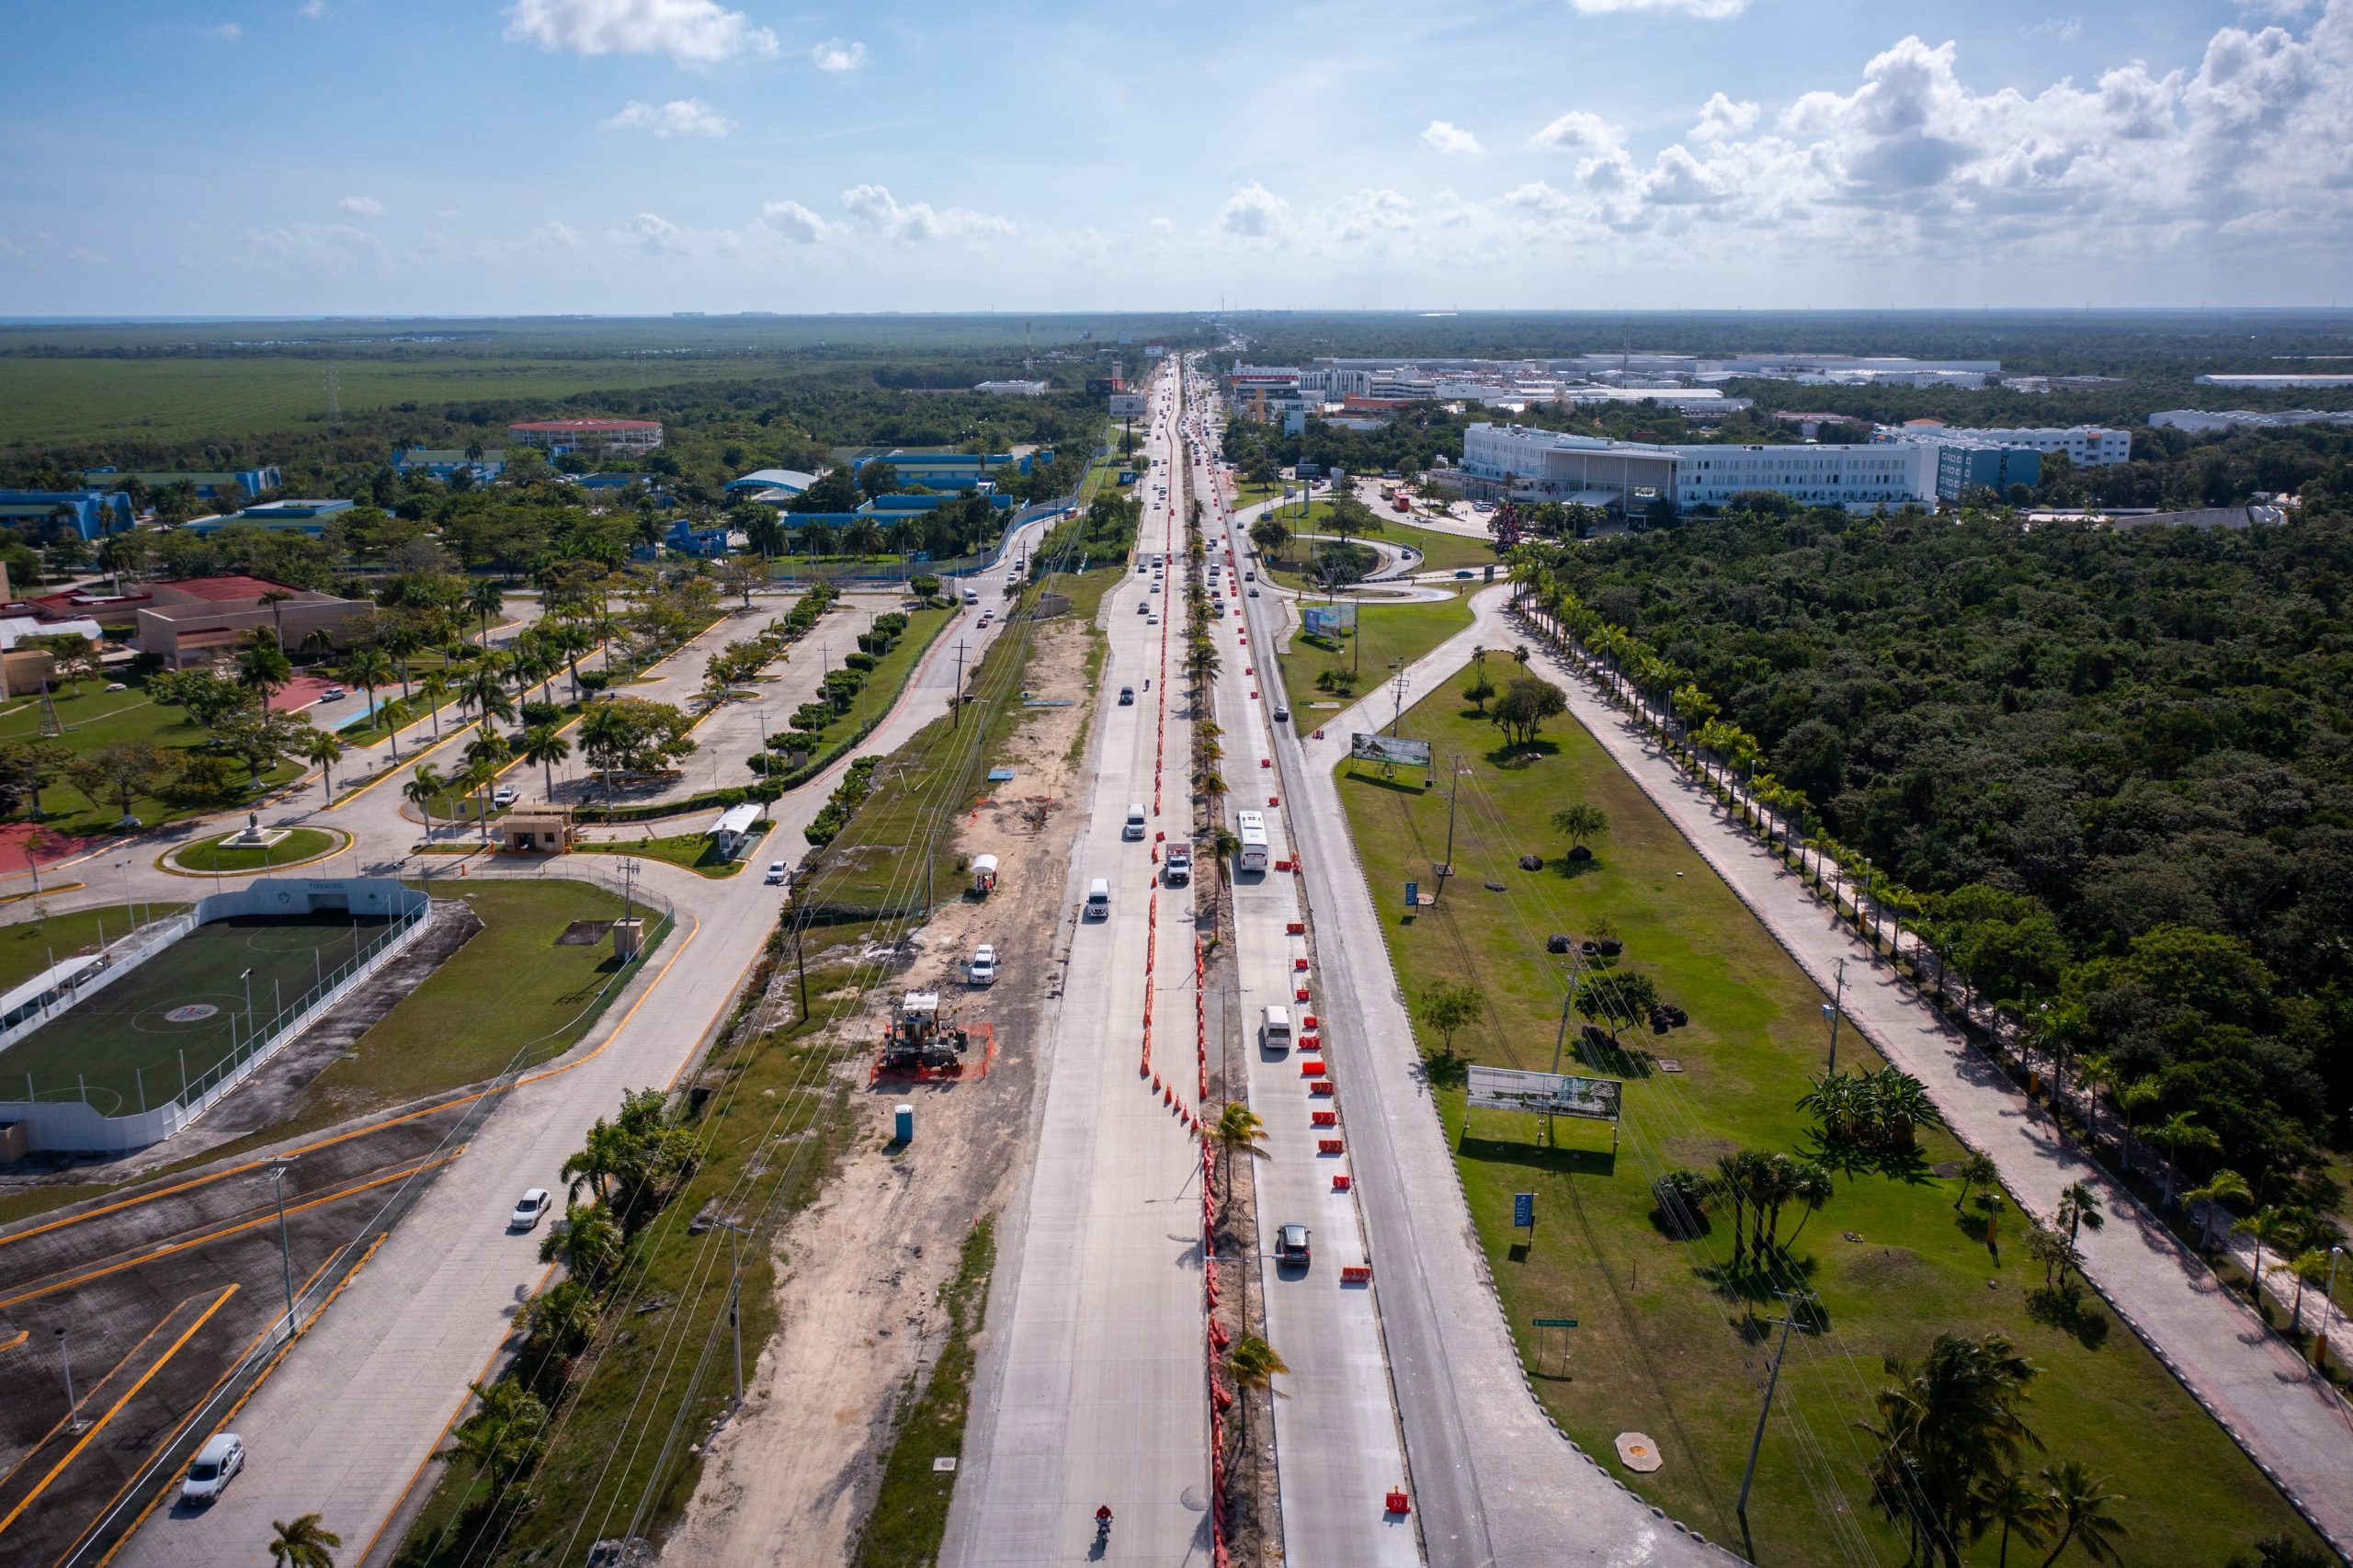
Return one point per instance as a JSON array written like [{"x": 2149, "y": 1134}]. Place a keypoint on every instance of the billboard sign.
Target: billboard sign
[
  {"x": 1397, "y": 749},
  {"x": 1327, "y": 620},
  {"x": 1544, "y": 1094}
]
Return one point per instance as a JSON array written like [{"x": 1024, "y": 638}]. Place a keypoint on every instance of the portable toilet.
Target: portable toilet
[
  {"x": 903, "y": 1124},
  {"x": 985, "y": 875}
]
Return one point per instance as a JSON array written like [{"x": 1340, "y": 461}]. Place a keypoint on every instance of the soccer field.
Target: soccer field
[{"x": 183, "y": 1010}]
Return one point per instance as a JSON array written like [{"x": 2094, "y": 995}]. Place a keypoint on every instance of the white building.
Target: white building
[
  {"x": 2276, "y": 383},
  {"x": 1546, "y": 465},
  {"x": 1861, "y": 477},
  {"x": 1014, "y": 389},
  {"x": 2086, "y": 446},
  {"x": 1269, "y": 379},
  {"x": 2198, "y": 422}
]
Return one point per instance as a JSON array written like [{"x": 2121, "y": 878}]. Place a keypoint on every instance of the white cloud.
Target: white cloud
[
  {"x": 1369, "y": 215},
  {"x": 1580, "y": 131},
  {"x": 1254, "y": 212},
  {"x": 837, "y": 56},
  {"x": 314, "y": 9},
  {"x": 1720, "y": 119},
  {"x": 692, "y": 32},
  {"x": 1707, "y": 10},
  {"x": 875, "y": 210},
  {"x": 445, "y": 212},
  {"x": 797, "y": 223},
  {"x": 680, "y": 117},
  {"x": 362, "y": 205},
  {"x": 1446, "y": 137},
  {"x": 1161, "y": 228},
  {"x": 228, "y": 32}
]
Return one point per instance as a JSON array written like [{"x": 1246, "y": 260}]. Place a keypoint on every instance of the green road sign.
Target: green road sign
[{"x": 1556, "y": 1323}]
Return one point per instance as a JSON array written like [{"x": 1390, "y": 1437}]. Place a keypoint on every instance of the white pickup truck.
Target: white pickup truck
[{"x": 981, "y": 970}]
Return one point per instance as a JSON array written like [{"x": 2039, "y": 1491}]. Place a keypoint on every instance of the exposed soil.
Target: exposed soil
[{"x": 790, "y": 1478}]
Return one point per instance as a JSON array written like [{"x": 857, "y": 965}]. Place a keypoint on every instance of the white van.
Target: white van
[
  {"x": 1274, "y": 1029},
  {"x": 971, "y": 596},
  {"x": 1098, "y": 900},
  {"x": 1135, "y": 828}
]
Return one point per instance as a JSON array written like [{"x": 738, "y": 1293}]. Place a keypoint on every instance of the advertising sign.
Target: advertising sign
[
  {"x": 1327, "y": 620},
  {"x": 1544, "y": 1094},
  {"x": 1523, "y": 1210},
  {"x": 1397, "y": 749}
]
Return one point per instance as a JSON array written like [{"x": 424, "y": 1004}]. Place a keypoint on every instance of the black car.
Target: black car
[{"x": 1291, "y": 1245}]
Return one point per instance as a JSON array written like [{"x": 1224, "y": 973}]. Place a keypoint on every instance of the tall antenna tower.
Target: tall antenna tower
[
  {"x": 335, "y": 400},
  {"x": 1026, "y": 365}
]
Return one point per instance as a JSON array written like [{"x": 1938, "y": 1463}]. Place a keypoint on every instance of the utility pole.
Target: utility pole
[
  {"x": 735, "y": 1302},
  {"x": 1772, "y": 1381},
  {"x": 285, "y": 1255},
  {"x": 956, "y": 697},
  {"x": 1397, "y": 726},
  {"x": 1837, "y": 1006},
  {"x": 629, "y": 885},
  {"x": 1454, "y": 791}
]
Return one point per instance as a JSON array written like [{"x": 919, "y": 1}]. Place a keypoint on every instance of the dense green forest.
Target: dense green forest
[{"x": 2112, "y": 764}]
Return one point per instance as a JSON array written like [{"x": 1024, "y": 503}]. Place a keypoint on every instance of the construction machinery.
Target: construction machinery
[{"x": 919, "y": 1041}]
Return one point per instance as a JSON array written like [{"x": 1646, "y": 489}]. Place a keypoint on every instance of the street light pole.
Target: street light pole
[
  {"x": 1837, "y": 1010},
  {"x": 2327, "y": 1310},
  {"x": 285, "y": 1252},
  {"x": 73, "y": 1421}
]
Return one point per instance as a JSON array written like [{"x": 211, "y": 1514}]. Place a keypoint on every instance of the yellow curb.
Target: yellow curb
[{"x": 171, "y": 871}]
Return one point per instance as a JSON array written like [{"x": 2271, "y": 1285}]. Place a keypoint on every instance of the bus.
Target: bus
[{"x": 1252, "y": 826}]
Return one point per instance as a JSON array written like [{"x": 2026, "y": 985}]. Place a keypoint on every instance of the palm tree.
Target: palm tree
[
  {"x": 263, "y": 667},
  {"x": 305, "y": 1542},
  {"x": 2311, "y": 1267},
  {"x": 367, "y": 668},
  {"x": 2080, "y": 1504},
  {"x": 485, "y": 599},
  {"x": 1237, "y": 1131},
  {"x": 433, "y": 691},
  {"x": 2269, "y": 1226},
  {"x": 1947, "y": 1427},
  {"x": 2095, "y": 1071},
  {"x": 1579, "y": 823},
  {"x": 2180, "y": 1132},
  {"x": 2079, "y": 1206},
  {"x": 1252, "y": 1364},
  {"x": 2134, "y": 1100},
  {"x": 322, "y": 750},
  {"x": 862, "y": 537},
  {"x": 1975, "y": 1171},
  {"x": 424, "y": 786},
  {"x": 562, "y": 1317},
  {"x": 394, "y": 716},
  {"x": 476, "y": 779},
  {"x": 2225, "y": 1186},
  {"x": 546, "y": 745},
  {"x": 2019, "y": 1506},
  {"x": 1813, "y": 1188},
  {"x": 1736, "y": 1178},
  {"x": 589, "y": 1242}
]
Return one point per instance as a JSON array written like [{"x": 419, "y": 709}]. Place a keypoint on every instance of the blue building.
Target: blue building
[
  {"x": 1963, "y": 466},
  {"x": 41, "y": 514},
  {"x": 708, "y": 541},
  {"x": 947, "y": 471},
  {"x": 443, "y": 462},
  {"x": 210, "y": 486},
  {"x": 771, "y": 483},
  {"x": 303, "y": 517}
]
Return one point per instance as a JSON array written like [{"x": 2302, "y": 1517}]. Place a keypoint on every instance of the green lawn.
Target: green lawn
[
  {"x": 220, "y": 855},
  {"x": 30, "y": 945},
  {"x": 1386, "y": 632},
  {"x": 1440, "y": 551},
  {"x": 1669, "y": 1342},
  {"x": 697, "y": 852}
]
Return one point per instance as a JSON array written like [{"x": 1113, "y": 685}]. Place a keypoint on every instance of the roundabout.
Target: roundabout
[{"x": 223, "y": 854}]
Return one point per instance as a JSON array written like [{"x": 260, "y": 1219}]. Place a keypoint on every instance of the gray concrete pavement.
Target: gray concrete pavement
[
  {"x": 1092, "y": 1385},
  {"x": 1494, "y": 1480}
]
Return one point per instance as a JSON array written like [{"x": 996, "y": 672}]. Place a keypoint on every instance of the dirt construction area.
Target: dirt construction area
[{"x": 859, "y": 1271}]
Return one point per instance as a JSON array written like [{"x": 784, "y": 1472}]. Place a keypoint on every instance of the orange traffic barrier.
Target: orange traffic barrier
[
  {"x": 1357, "y": 1274},
  {"x": 1324, "y": 1117},
  {"x": 1321, "y": 1086},
  {"x": 1158, "y": 838},
  {"x": 1327, "y": 1145},
  {"x": 1282, "y": 865},
  {"x": 1396, "y": 1500},
  {"x": 1167, "y": 1097},
  {"x": 1311, "y": 1069}
]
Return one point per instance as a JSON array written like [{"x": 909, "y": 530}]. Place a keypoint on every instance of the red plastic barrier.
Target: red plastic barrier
[
  {"x": 1321, "y": 1086},
  {"x": 1396, "y": 1500},
  {"x": 1299, "y": 965},
  {"x": 1357, "y": 1274},
  {"x": 1264, "y": 761},
  {"x": 1295, "y": 928},
  {"x": 1158, "y": 836},
  {"x": 1327, "y": 1145},
  {"x": 1308, "y": 1022},
  {"x": 1319, "y": 732},
  {"x": 1339, "y": 1184},
  {"x": 1274, "y": 800},
  {"x": 1282, "y": 865},
  {"x": 1300, "y": 996},
  {"x": 1324, "y": 1117},
  {"x": 1311, "y": 1069}
]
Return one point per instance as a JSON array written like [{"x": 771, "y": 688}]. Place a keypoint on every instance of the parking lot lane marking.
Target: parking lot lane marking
[
  {"x": 128, "y": 1394},
  {"x": 104, "y": 1377},
  {"x": 264, "y": 1218}
]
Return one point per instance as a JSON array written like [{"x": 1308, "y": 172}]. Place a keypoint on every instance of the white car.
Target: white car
[
  {"x": 776, "y": 873},
  {"x": 217, "y": 1464},
  {"x": 504, "y": 796},
  {"x": 981, "y": 970},
  {"x": 531, "y": 1209},
  {"x": 1152, "y": 620}
]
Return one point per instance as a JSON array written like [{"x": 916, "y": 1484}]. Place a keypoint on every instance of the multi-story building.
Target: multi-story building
[
  {"x": 2200, "y": 422},
  {"x": 1550, "y": 466},
  {"x": 1963, "y": 466},
  {"x": 2276, "y": 382},
  {"x": 247, "y": 483},
  {"x": 442, "y": 461},
  {"x": 1014, "y": 388},
  {"x": 2086, "y": 446},
  {"x": 561, "y": 436},
  {"x": 294, "y": 515},
  {"x": 44, "y": 512}
]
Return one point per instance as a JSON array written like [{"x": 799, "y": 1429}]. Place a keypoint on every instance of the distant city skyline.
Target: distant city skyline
[{"x": 642, "y": 156}]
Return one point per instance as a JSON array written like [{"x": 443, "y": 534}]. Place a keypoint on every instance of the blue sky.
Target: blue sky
[{"x": 483, "y": 156}]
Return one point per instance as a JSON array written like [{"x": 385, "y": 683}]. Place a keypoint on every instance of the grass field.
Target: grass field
[
  {"x": 94, "y": 717},
  {"x": 697, "y": 852},
  {"x": 28, "y": 946},
  {"x": 1670, "y": 1342},
  {"x": 1386, "y": 632},
  {"x": 1442, "y": 551},
  {"x": 125, "y": 1047},
  {"x": 220, "y": 855}
]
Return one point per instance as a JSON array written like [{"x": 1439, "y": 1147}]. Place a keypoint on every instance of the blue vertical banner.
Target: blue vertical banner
[
  {"x": 1523, "y": 1210},
  {"x": 1413, "y": 895}
]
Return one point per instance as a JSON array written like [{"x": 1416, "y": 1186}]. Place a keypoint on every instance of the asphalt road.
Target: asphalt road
[{"x": 1092, "y": 1385}]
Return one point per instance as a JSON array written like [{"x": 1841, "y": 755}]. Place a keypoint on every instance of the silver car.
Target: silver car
[{"x": 217, "y": 1464}]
